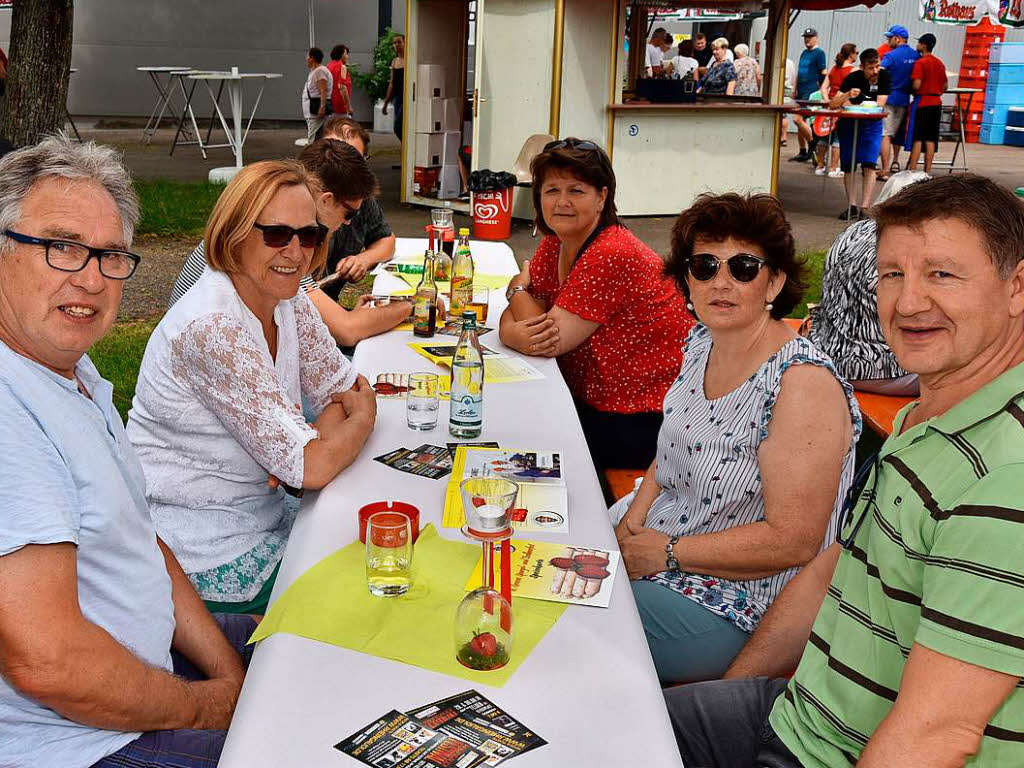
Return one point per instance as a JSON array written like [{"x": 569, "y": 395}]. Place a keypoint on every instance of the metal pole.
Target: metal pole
[
  {"x": 312, "y": 28},
  {"x": 556, "y": 69}
]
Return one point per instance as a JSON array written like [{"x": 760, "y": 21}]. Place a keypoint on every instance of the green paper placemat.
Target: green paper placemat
[{"x": 330, "y": 603}]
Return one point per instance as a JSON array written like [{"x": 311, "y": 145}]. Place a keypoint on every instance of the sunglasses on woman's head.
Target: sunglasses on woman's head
[
  {"x": 743, "y": 266},
  {"x": 280, "y": 235},
  {"x": 566, "y": 143}
]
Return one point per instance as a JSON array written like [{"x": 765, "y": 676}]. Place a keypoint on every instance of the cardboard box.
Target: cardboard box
[
  {"x": 450, "y": 152},
  {"x": 430, "y": 79},
  {"x": 424, "y": 180},
  {"x": 452, "y": 114},
  {"x": 449, "y": 182},
  {"x": 430, "y": 115},
  {"x": 429, "y": 149}
]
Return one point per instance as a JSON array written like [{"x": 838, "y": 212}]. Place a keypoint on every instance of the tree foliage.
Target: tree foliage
[{"x": 375, "y": 83}]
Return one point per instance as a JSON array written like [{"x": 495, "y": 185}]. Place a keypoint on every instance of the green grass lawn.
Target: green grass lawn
[
  {"x": 119, "y": 354},
  {"x": 175, "y": 207}
]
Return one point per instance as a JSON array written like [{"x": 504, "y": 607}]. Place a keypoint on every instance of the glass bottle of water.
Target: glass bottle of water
[{"x": 466, "y": 414}]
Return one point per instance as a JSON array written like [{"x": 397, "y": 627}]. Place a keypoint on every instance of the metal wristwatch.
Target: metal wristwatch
[
  {"x": 513, "y": 290},
  {"x": 671, "y": 563}
]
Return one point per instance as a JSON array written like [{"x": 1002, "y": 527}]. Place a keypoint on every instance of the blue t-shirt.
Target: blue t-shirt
[
  {"x": 899, "y": 63},
  {"x": 69, "y": 474},
  {"x": 808, "y": 75}
]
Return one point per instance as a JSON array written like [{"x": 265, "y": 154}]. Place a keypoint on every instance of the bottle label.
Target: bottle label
[
  {"x": 467, "y": 410},
  {"x": 462, "y": 294},
  {"x": 424, "y": 315}
]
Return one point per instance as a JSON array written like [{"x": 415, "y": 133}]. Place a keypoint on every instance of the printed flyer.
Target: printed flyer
[
  {"x": 431, "y": 461},
  {"x": 396, "y": 741},
  {"x": 543, "y": 570}
]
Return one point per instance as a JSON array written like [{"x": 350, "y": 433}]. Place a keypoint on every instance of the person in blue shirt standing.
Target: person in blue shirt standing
[
  {"x": 810, "y": 74},
  {"x": 899, "y": 63}
]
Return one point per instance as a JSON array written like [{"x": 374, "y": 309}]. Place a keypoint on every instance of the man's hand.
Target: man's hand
[
  {"x": 644, "y": 553},
  {"x": 353, "y": 268},
  {"x": 534, "y": 336},
  {"x": 853, "y": 93}
]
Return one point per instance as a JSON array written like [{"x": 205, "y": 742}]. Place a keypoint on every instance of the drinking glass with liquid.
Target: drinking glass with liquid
[
  {"x": 388, "y": 554},
  {"x": 421, "y": 401}
]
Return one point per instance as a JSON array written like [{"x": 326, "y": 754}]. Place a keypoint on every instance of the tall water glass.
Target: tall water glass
[
  {"x": 421, "y": 401},
  {"x": 388, "y": 554}
]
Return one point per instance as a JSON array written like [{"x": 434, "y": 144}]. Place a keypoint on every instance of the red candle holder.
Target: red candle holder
[{"x": 389, "y": 506}]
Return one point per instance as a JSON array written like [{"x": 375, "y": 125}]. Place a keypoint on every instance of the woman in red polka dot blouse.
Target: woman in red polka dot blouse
[{"x": 596, "y": 297}]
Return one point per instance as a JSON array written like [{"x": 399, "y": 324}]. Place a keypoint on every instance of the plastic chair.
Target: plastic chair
[{"x": 532, "y": 147}]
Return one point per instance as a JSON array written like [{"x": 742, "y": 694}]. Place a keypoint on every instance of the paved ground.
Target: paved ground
[{"x": 812, "y": 202}]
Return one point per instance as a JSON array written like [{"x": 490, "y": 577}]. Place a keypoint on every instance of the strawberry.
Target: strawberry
[
  {"x": 484, "y": 644},
  {"x": 478, "y": 501}
]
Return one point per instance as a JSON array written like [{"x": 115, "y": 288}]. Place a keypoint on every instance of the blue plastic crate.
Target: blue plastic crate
[
  {"x": 997, "y": 114},
  {"x": 1006, "y": 74},
  {"x": 1006, "y": 53},
  {"x": 1015, "y": 117},
  {"x": 999, "y": 93},
  {"x": 1014, "y": 137},
  {"x": 991, "y": 134}
]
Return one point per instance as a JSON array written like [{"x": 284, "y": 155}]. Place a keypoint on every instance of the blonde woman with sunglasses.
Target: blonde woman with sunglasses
[{"x": 217, "y": 419}]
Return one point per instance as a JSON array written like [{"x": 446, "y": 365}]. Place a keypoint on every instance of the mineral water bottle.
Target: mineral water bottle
[
  {"x": 462, "y": 275},
  {"x": 467, "y": 400}
]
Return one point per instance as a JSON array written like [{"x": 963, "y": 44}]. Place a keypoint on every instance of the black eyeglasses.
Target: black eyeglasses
[
  {"x": 280, "y": 235},
  {"x": 854, "y": 495},
  {"x": 69, "y": 256},
  {"x": 570, "y": 144},
  {"x": 743, "y": 266}
]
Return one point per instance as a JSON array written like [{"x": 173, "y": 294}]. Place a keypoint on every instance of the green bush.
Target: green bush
[{"x": 375, "y": 83}]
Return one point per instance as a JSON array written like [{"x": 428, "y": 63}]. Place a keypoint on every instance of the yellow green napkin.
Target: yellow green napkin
[
  {"x": 330, "y": 603},
  {"x": 490, "y": 282}
]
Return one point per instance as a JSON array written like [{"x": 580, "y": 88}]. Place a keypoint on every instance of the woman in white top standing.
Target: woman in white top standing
[
  {"x": 316, "y": 93},
  {"x": 217, "y": 419},
  {"x": 678, "y": 67}
]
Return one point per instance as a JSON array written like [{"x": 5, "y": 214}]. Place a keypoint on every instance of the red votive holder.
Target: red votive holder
[{"x": 389, "y": 506}]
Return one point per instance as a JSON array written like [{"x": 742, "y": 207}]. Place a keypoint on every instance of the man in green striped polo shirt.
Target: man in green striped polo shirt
[{"x": 909, "y": 631}]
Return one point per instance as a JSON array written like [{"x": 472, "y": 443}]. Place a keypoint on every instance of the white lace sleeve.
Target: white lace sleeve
[
  {"x": 323, "y": 370},
  {"x": 222, "y": 363}
]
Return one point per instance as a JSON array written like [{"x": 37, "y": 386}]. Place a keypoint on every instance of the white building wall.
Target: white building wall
[{"x": 113, "y": 37}]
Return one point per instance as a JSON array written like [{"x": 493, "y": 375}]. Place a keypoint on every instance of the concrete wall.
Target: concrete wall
[{"x": 113, "y": 37}]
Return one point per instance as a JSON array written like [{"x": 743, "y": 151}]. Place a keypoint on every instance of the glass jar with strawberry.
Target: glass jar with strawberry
[{"x": 483, "y": 630}]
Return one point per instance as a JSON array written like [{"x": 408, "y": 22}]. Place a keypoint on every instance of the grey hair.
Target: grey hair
[
  {"x": 898, "y": 182},
  {"x": 741, "y": 50},
  {"x": 720, "y": 42},
  {"x": 59, "y": 157}
]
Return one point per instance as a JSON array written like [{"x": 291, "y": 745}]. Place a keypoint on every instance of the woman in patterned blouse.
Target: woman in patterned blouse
[
  {"x": 217, "y": 421},
  {"x": 756, "y": 449},
  {"x": 721, "y": 76}
]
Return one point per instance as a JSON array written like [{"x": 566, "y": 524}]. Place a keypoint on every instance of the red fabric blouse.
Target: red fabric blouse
[{"x": 626, "y": 365}]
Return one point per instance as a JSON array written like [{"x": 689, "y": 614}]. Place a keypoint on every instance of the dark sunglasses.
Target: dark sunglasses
[
  {"x": 743, "y": 266},
  {"x": 570, "y": 144},
  {"x": 858, "y": 489},
  {"x": 280, "y": 235}
]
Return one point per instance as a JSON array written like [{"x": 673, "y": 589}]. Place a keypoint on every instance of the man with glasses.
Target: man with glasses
[
  {"x": 107, "y": 654},
  {"x": 909, "y": 630}
]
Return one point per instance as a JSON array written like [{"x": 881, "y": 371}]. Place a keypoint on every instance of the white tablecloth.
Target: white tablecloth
[{"x": 588, "y": 688}]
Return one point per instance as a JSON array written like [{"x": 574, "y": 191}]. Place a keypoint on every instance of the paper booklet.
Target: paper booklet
[
  {"x": 498, "y": 368},
  {"x": 543, "y": 570},
  {"x": 543, "y": 501}
]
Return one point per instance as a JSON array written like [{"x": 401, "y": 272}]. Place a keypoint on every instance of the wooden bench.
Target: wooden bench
[
  {"x": 880, "y": 411},
  {"x": 621, "y": 481}
]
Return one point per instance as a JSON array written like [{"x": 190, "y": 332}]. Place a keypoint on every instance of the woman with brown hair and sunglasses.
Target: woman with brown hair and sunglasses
[
  {"x": 217, "y": 409},
  {"x": 595, "y": 297},
  {"x": 756, "y": 450}
]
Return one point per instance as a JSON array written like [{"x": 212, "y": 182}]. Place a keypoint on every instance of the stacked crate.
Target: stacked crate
[
  {"x": 1003, "y": 121},
  {"x": 974, "y": 73}
]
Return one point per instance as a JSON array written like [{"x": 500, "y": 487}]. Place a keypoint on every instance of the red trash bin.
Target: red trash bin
[{"x": 492, "y": 214}]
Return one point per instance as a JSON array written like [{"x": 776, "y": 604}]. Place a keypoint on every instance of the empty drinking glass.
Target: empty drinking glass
[
  {"x": 421, "y": 401},
  {"x": 388, "y": 554}
]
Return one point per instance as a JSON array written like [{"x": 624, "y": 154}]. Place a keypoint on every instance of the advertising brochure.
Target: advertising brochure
[
  {"x": 498, "y": 368},
  {"x": 453, "y": 447},
  {"x": 542, "y": 570},
  {"x": 543, "y": 501},
  {"x": 441, "y": 352},
  {"x": 391, "y": 386},
  {"x": 471, "y": 717},
  {"x": 431, "y": 461},
  {"x": 396, "y": 741}
]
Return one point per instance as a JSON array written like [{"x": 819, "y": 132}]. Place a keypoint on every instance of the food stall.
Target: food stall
[{"x": 512, "y": 69}]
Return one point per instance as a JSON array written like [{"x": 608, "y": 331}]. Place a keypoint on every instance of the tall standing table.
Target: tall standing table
[
  {"x": 164, "y": 90},
  {"x": 589, "y": 687},
  {"x": 236, "y": 136},
  {"x": 961, "y": 96}
]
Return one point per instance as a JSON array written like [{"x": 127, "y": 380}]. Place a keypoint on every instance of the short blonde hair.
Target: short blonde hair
[
  {"x": 720, "y": 42},
  {"x": 741, "y": 50},
  {"x": 242, "y": 202}
]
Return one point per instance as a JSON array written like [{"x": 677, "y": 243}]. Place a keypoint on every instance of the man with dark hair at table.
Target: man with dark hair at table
[
  {"x": 367, "y": 240},
  {"x": 870, "y": 82},
  {"x": 909, "y": 631},
  {"x": 928, "y": 84},
  {"x": 107, "y": 655}
]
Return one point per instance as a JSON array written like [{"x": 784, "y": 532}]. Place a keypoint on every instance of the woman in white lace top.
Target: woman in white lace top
[{"x": 217, "y": 418}]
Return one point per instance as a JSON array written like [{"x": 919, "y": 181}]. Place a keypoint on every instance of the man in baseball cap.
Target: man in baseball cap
[
  {"x": 899, "y": 63},
  {"x": 810, "y": 73}
]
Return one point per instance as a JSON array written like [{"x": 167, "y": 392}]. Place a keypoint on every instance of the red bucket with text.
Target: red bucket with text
[{"x": 492, "y": 214}]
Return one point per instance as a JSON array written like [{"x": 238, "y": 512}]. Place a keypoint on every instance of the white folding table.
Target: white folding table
[
  {"x": 589, "y": 687},
  {"x": 236, "y": 136},
  {"x": 164, "y": 90}
]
